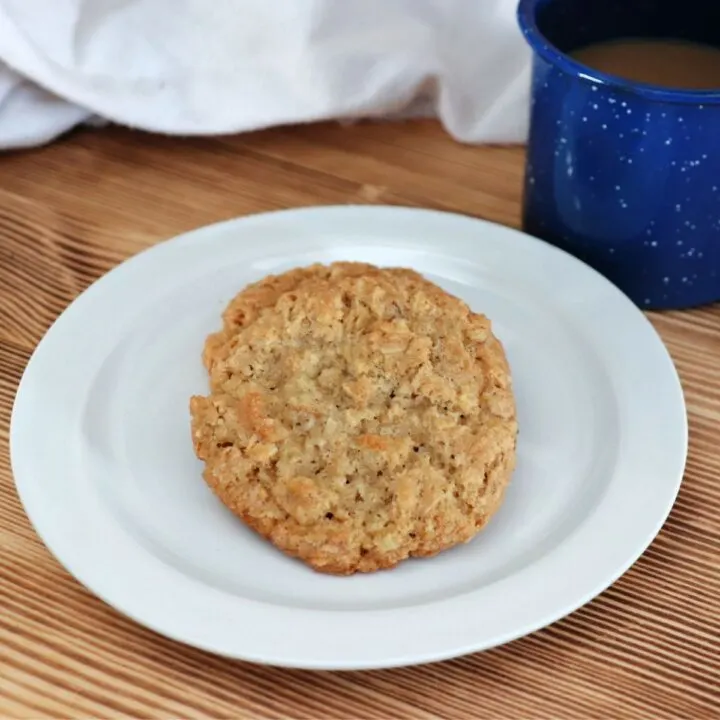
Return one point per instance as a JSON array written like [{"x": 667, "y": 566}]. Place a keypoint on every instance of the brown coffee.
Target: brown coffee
[{"x": 669, "y": 63}]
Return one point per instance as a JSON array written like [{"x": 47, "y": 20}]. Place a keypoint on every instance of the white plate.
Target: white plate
[{"x": 103, "y": 461}]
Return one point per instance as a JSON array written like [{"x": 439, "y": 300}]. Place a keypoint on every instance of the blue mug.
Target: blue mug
[{"x": 624, "y": 175}]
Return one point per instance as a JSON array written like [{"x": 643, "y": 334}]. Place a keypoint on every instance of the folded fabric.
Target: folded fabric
[{"x": 199, "y": 67}]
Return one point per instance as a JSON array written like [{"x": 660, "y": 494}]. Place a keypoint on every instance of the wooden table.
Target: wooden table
[{"x": 647, "y": 648}]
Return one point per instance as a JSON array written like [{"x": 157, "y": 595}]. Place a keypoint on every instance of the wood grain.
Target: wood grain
[{"x": 647, "y": 648}]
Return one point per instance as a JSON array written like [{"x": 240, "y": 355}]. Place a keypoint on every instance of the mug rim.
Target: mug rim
[{"x": 549, "y": 52}]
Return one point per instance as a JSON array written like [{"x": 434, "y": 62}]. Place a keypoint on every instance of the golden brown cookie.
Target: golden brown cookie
[{"x": 357, "y": 416}]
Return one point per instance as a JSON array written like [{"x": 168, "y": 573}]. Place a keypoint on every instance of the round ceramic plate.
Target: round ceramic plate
[{"x": 105, "y": 468}]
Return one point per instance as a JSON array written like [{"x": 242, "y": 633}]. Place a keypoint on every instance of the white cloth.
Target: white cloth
[{"x": 205, "y": 67}]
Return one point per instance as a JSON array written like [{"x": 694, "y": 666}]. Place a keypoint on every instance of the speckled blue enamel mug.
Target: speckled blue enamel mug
[{"x": 623, "y": 175}]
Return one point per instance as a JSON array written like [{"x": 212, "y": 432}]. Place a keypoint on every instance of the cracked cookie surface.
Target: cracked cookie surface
[{"x": 357, "y": 416}]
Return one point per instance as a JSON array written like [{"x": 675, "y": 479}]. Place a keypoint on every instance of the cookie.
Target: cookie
[{"x": 357, "y": 416}]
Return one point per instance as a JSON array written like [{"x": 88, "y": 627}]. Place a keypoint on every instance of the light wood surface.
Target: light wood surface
[{"x": 647, "y": 648}]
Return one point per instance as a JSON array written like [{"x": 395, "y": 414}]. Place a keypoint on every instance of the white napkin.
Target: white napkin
[{"x": 205, "y": 67}]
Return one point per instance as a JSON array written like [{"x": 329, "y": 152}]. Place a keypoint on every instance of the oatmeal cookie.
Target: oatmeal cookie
[{"x": 357, "y": 416}]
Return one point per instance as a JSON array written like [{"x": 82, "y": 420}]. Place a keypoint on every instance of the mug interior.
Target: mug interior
[{"x": 572, "y": 24}]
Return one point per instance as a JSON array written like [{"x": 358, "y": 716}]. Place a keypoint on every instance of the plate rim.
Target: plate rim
[{"x": 41, "y": 517}]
